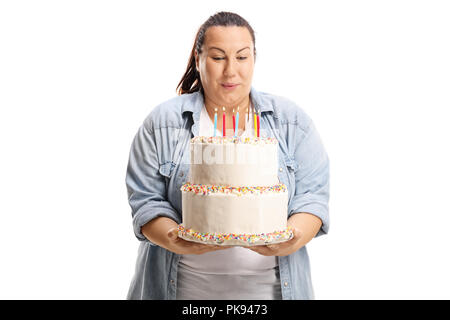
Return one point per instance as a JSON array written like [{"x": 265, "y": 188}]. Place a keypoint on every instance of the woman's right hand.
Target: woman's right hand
[{"x": 163, "y": 232}]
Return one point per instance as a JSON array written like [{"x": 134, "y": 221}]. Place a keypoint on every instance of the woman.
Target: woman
[{"x": 219, "y": 74}]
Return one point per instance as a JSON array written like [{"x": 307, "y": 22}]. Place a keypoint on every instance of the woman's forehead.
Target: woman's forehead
[{"x": 228, "y": 37}]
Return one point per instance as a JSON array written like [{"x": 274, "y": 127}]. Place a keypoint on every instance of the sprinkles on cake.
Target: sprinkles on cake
[
  {"x": 243, "y": 238},
  {"x": 205, "y": 189}
]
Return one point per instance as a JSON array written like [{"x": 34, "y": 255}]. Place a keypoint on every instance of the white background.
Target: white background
[{"x": 77, "y": 78}]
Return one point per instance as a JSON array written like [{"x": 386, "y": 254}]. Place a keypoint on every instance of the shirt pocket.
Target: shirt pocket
[
  {"x": 176, "y": 175},
  {"x": 166, "y": 169}
]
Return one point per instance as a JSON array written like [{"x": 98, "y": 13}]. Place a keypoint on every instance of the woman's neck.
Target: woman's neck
[{"x": 243, "y": 105}]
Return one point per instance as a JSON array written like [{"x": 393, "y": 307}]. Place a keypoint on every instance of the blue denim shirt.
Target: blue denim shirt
[{"x": 159, "y": 164}]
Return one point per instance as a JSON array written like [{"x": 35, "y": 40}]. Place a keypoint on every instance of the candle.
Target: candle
[
  {"x": 223, "y": 123},
  {"x": 215, "y": 121},
  {"x": 237, "y": 123},
  {"x": 246, "y": 119},
  {"x": 258, "y": 117},
  {"x": 234, "y": 122},
  {"x": 255, "y": 123}
]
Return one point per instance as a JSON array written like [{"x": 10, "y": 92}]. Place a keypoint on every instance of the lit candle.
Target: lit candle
[
  {"x": 223, "y": 123},
  {"x": 234, "y": 122},
  {"x": 255, "y": 123},
  {"x": 237, "y": 123},
  {"x": 258, "y": 118},
  {"x": 215, "y": 121}
]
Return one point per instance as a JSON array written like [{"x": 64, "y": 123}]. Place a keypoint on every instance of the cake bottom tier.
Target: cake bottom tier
[
  {"x": 233, "y": 216},
  {"x": 233, "y": 239}
]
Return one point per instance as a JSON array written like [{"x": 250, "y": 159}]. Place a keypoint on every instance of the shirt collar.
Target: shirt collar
[{"x": 261, "y": 104}]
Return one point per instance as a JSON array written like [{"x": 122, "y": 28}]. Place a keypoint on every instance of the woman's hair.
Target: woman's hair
[{"x": 190, "y": 82}]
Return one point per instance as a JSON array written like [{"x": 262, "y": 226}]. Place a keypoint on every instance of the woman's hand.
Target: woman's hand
[
  {"x": 281, "y": 249},
  {"x": 305, "y": 227},
  {"x": 181, "y": 246},
  {"x": 163, "y": 232}
]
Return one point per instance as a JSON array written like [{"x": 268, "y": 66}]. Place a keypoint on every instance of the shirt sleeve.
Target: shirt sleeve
[
  {"x": 311, "y": 178},
  {"x": 146, "y": 187}
]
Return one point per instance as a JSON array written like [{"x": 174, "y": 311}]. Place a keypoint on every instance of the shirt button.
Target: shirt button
[
  {"x": 171, "y": 281},
  {"x": 281, "y": 169},
  {"x": 286, "y": 284},
  {"x": 181, "y": 174}
]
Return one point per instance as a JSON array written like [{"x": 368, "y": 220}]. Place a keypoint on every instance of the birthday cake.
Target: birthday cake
[{"x": 233, "y": 196}]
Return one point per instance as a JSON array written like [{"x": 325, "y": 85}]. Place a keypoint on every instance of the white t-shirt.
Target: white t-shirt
[{"x": 235, "y": 260}]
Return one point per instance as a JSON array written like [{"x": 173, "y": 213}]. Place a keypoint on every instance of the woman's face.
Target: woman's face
[{"x": 226, "y": 65}]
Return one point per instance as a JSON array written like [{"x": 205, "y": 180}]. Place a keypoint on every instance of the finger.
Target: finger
[
  {"x": 172, "y": 233},
  {"x": 197, "y": 248},
  {"x": 209, "y": 247},
  {"x": 221, "y": 247},
  {"x": 297, "y": 233},
  {"x": 296, "y": 238},
  {"x": 203, "y": 248},
  {"x": 258, "y": 250}
]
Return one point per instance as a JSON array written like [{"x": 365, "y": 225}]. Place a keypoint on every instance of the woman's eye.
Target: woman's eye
[{"x": 221, "y": 58}]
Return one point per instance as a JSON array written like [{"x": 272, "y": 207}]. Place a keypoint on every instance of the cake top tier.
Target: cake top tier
[{"x": 235, "y": 140}]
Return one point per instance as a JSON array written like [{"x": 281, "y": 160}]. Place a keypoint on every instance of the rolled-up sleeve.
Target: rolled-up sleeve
[
  {"x": 146, "y": 187},
  {"x": 311, "y": 178}
]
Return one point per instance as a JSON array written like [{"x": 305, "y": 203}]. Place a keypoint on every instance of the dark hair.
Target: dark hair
[{"x": 190, "y": 82}]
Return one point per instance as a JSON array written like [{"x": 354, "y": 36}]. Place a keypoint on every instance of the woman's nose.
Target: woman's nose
[{"x": 230, "y": 68}]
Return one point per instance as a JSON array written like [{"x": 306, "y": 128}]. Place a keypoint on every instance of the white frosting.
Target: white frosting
[
  {"x": 229, "y": 213},
  {"x": 234, "y": 164}
]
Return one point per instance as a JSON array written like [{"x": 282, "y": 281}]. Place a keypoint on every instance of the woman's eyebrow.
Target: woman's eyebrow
[{"x": 210, "y": 48}]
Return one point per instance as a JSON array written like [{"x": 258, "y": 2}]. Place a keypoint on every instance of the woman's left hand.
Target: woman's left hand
[{"x": 283, "y": 248}]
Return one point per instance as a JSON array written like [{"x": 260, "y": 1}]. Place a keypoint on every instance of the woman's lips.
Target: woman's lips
[{"x": 229, "y": 86}]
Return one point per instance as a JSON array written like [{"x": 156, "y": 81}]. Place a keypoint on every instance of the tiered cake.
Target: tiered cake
[{"x": 233, "y": 196}]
